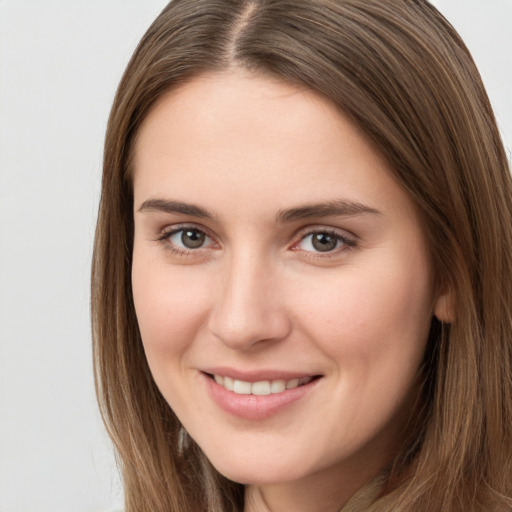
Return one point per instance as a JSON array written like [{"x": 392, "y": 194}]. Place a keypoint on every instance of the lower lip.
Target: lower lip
[{"x": 255, "y": 407}]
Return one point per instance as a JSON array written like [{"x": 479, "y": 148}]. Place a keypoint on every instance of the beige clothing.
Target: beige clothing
[{"x": 362, "y": 500}]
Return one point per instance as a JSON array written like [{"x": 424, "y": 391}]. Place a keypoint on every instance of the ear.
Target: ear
[{"x": 444, "y": 307}]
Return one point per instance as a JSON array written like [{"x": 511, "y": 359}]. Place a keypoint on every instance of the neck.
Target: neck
[{"x": 316, "y": 493}]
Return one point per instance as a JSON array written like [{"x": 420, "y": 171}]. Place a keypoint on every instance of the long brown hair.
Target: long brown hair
[{"x": 402, "y": 74}]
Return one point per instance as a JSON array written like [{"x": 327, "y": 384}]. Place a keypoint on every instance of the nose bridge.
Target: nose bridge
[{"x": 248, "y": 307}]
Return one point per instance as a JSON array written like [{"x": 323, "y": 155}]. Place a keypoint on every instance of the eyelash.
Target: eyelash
[
  {"x": 166, "y": 235},
  {"x": 348, "y": 242}
]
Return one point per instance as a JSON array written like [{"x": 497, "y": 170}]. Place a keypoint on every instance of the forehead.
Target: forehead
[
  {"x": 236, "y": 108},
  {"x": 251, "y": 136}
]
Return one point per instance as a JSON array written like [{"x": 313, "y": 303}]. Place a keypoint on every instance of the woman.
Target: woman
[{"x": 301, "y": 274}]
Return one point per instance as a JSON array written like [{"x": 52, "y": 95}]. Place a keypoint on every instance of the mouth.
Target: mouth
[
  {"x": 262, "y": 387},
  {"x": 255, "y": 396}
]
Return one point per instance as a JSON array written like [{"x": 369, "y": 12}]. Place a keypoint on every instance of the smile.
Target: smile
[
  {"x": 257, "y": 395},
  {"x": 260, "y": 388}
]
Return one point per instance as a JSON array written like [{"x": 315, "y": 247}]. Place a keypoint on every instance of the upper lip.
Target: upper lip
[{"x": 258, "y": 375}]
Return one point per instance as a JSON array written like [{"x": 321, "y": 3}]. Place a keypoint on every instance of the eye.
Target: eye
[
  {"x": 188, "y": 238},
  {"x": 324, "y": 242}
]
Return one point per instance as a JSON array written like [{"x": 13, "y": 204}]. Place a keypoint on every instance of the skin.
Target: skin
[{"x": 259, "y": 295}]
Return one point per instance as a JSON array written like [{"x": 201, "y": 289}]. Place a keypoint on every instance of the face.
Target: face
[{"x": 280, "y": 278}]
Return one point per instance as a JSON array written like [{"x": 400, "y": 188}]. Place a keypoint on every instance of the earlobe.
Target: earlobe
[{"x": 444, "y": 308}]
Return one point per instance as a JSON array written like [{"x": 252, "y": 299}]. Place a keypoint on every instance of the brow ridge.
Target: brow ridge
[
  {"x": 338, "y": 207},
  {"x": 172, "y": 206}
]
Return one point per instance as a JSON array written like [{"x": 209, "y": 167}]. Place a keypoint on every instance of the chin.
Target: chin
[
  {"x": 273, "y": 469},
  {"x": 256, "y": 476}
]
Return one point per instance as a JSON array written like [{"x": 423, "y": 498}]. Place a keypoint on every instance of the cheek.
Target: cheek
[
  {"x": 373, "y": 324},
  {"x": 373, "y": 328},
  {"x": 169, "y": 307}
]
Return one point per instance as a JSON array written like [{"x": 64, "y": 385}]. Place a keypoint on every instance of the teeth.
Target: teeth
[
  {"x": 242, "y": 388},
  {"x": 261, "y": 388},
  {"x": 277, "y": 386},
  {"x": 292, "y": 383},
  {"x": 229, "y": 383}
]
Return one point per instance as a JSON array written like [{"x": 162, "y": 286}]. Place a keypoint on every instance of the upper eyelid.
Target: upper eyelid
[
  {"x": 176, "y": 228},
  {"x": 309, "y": 230}
]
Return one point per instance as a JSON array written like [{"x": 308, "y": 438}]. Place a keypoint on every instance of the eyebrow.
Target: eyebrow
[
  {"x": 335, "y": 208},
  {"x": 169, "y": 206}
]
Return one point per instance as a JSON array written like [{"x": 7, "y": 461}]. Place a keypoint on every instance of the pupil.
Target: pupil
[
  {"x": 324, "y": 242},
  {"x": 192, "y": 239}
]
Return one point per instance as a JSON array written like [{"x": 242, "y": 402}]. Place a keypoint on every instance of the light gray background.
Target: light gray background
[{"x": 60, "y": 62}]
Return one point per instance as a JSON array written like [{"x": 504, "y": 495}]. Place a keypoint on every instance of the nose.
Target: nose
[{"x": 249, "y": 311}]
